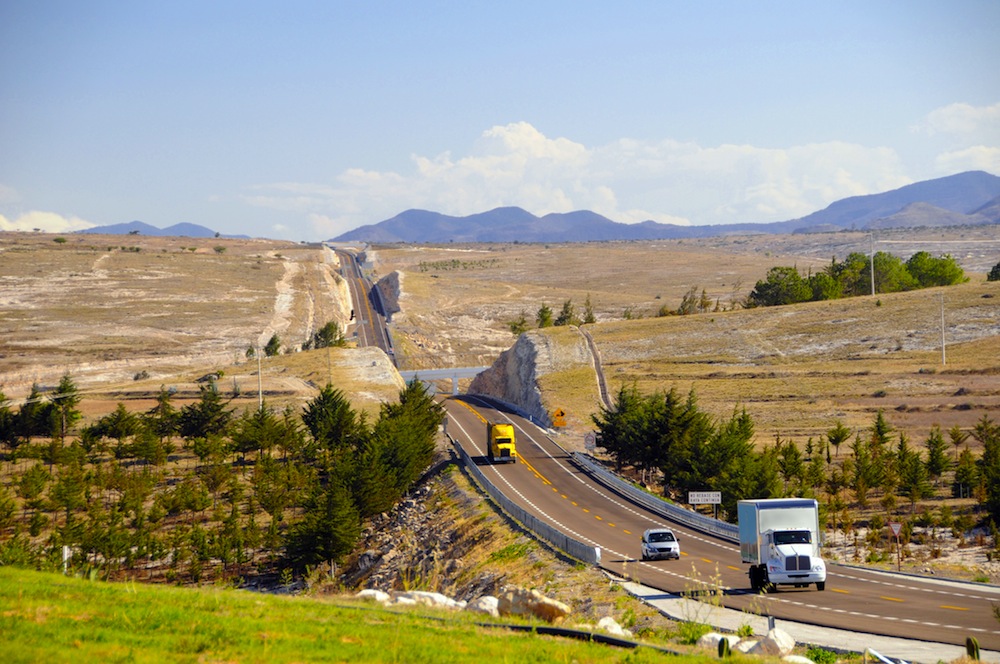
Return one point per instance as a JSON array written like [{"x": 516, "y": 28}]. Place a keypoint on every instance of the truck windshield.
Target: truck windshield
[
  {"x": 793, "y": 537},
  {"x": 503, "y": 441}
]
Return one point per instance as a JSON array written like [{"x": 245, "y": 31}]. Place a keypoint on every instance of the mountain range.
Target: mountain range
[
  {"x": 970, "y": 198},
  {"x": 142, "y": 228}
]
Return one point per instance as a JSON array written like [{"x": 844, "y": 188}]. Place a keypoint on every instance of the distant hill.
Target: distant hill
[
  {"x": 970, "y": 198},
  {"x": 141, "y": 228}
]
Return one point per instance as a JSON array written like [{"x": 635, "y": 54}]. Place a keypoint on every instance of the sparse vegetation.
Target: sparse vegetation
[{"x": 267, "y": 490}]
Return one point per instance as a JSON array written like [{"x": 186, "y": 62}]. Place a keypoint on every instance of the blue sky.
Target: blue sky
[{"x": 302, "y": 120}]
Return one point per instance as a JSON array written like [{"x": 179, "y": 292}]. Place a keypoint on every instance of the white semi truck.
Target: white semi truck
[{"x": 779, "y": 537}]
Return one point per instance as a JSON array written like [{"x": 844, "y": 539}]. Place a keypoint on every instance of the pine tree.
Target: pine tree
[
  {"x": 328, "y": 530},
  {"x": 937, "y": 454},
  {"x": 958, "y": 438},
  {"x": 163, "y": 418},
  {"x": 333, "y": 423},
  {"x": 790, "y": 464},
  {"x": 616, "y": 425},
  {"x": 913, "y": 479},
  {"x": 988, "y": 433},
  {"x": 567, "y": 315},
  {"x": 838, "y": 435},
  {"x": 588, "y": 312},
  {"x": 206, "y": 416},
  {"x": 519, "y": 325},
  {"x": 64, "y": 402},
  {"x": 544, "y": 316},
  {"x": 966, "y": 475},
  {"x": 8, "y": 423}
]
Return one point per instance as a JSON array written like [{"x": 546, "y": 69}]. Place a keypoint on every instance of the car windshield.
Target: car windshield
[
  {"x": 792, "y": 537},
  {"x": 661, "y": 537}
]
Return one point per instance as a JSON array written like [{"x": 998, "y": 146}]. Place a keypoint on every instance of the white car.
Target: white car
[{"x": 660, "y": 543}]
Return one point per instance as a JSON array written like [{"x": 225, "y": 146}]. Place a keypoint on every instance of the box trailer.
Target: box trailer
[{"x": 779, "y": 537}]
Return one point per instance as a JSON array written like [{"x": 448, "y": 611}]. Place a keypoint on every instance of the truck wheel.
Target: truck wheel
[
  {"x": 821, "y": 585},
  {"x": 757, "y": 583}
]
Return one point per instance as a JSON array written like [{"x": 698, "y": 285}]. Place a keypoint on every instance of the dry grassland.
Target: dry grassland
[
  {"x": 124, "y": 315},
  {"x": 107, "y": 308},
  {"x": 797, "y": 370}
]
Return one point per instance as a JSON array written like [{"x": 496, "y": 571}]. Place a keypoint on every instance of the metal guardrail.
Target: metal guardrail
[
  {"x": 583, "y": 552},
  {"x": 700, "y": 522}
]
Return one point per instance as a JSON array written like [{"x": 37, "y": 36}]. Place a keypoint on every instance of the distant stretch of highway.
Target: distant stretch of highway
[
  {"x": 369, "y": 313},
  {"x": 547, "y": 483}
]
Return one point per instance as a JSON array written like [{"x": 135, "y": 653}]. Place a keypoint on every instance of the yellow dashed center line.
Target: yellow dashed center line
[
  {"x": 953, "y": 608},
  {"x": 838, "y": 590},
  {"x": 598, "y": 517},
  {"x": 890, "y": 599},
  {"x": 734, "y": 568},
  {"x": 611, "y": 524},
  {"x": 627, "y": 532},
  {"x": 537, "y": 474},
  {"x": 707, "y": 560}
]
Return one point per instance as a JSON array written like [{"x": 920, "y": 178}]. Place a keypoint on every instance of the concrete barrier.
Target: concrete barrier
[
  {"x": 583, "y": 552},
  {"x": 689, "y": 518}
]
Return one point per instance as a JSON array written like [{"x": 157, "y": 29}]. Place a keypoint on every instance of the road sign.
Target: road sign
[
  {"x": 559, "y": 418},
  {"x": 590, "y": 441},
  {"x": 895, "y": 527},
  {"x": 704, "y": 497}
]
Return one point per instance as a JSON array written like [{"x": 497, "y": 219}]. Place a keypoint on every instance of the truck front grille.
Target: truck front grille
[{"x": 793, "y": 563}]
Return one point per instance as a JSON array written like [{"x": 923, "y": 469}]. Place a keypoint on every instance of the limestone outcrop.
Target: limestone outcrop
[
  {"x": 389, "y": 288},
  {"x": 514, "y": 376}
]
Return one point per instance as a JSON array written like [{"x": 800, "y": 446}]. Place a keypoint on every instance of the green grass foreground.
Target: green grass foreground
[{"x": 47, "y": 617}]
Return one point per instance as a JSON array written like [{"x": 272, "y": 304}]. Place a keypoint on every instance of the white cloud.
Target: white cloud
[
  {"x": 627, "y": 180},
  {"x": 970, "y": 122},
  {"x": 47, "y": 222},
  {"x": 975, "y": 158}
]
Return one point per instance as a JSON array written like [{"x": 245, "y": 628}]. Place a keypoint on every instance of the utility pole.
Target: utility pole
[
  {"x": 871, "y": 259},
  {"x": 944, "y": 360},
  {"x": 260, "y": 385}
]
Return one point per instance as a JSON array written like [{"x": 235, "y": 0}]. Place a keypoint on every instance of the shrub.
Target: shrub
[
  {"x": 688, "y": 633},
  {"x": 821, "y": 656}
]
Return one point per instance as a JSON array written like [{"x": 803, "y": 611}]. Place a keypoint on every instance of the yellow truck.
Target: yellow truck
[{"x": 500, "y": 442}]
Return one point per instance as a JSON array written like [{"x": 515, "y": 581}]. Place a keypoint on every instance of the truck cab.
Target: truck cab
[
  {"x": 792, "y": 559},
  {"x": 500, "y": 446}
]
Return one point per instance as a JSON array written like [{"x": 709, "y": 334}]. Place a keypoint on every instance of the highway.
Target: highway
[
  {"x": 369, "y": 315},
  {"x": 546, "y": 482}
]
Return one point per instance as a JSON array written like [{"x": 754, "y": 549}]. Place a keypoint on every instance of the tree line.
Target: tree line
[
  {"x": 286, "y": 489},
  {"x": 853, "y": 276},
  {"x": 666, "y": 436}
]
